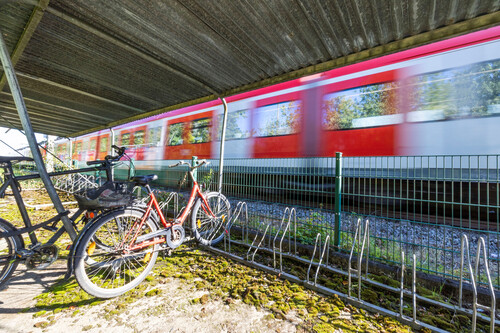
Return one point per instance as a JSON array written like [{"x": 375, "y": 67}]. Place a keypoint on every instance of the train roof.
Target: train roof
[{"x": 90, "y": 65}]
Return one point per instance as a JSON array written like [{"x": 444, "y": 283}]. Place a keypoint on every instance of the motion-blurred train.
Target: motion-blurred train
[{"x": 441, "y": 98}]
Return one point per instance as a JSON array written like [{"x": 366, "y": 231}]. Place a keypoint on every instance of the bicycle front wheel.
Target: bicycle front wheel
[
  {"x": 115, "y": 266},
  {"x": 8, "y": 248},
  {"x": 209, "y": 229}
]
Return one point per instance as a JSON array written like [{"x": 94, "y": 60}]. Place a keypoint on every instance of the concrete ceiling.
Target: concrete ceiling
[{"x": 85, "y": 65}]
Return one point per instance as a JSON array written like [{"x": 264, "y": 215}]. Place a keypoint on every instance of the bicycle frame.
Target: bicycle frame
[
  {"x": 153, "y": 204},
  {"x": 12, "y": 181}
]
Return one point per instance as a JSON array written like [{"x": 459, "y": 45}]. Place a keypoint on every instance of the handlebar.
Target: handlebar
[
  {"x": 200, "y": 163},
  {"x": 108, "y": 159}
]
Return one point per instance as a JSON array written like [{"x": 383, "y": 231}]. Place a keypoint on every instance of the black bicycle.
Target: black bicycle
[{"x": 39, "y": 255}]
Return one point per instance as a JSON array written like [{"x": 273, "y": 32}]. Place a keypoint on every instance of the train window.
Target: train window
[
  {"x": 139, "y": 137},
  {"x": 85, "y": 146},
  {"x": 78, "y": 147},
  {"x": 103, "y": 145},
  {"x": 367, "y": 106},
  {"x": 278, "y": 119},
  {"x": 237, "y": 127},
  {"x": 93, "y": 144},
  {"x": 468, "y": 91},
  {"x": 200, "y": 131},
  {"x": 154, "y": 136},
  {"x": 125, "y": 139},
  {"x": 175, "y": 134}
]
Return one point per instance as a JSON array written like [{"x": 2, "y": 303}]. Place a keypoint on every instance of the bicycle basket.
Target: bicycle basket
[{"x": 109, "y": 195}]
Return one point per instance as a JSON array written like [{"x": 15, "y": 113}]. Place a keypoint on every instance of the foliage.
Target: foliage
[
  {"x": 236, "y": 125},
  {"x": 459, "y": 92},
  {"x": 175, "y": 134},
  {"x": 279, "y": 119},
  {"x": 200, "y": 131},
  {"x": 341, "y": 108}
]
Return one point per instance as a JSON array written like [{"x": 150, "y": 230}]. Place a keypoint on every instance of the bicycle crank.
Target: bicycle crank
[{"x": 42, "y": 257}]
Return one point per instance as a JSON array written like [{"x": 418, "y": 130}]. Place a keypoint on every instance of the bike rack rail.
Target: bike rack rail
[
  {"x": 164, "y": 203},
  {"x": 234, "y": 217},
  {"x": 291, "y": 213},
  {"x": 325, "y": 249},
  {"x": 260, "y": 243},
  {"x": 474, "y": 277},
  {"x": 358, "y": 234}
]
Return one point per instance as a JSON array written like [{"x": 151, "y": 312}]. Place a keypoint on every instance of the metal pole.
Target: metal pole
[
  {"x": 338, "y": 193},
  {"x": 111, "y": 151},
  {"x": 30, "y": 136},
  {"x": 222, "y": 141}
]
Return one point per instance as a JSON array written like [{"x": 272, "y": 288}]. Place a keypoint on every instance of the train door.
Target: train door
[
  {"x": 77, "y": 150},
  {"x": 92, "y": 152},
  {"x": 103, "y": 146},
  {"x": 138, "y": 141},
  {"x": 153, "y": 149}
]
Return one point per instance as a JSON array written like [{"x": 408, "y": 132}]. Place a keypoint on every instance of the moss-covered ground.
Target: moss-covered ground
[{"x": 219, "y": 279}]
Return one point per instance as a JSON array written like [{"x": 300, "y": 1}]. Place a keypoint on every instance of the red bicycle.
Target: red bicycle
[{"x": 118, "y": 250}]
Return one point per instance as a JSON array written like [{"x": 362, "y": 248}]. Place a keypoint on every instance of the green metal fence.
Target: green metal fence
[{"x": 419, "y": 204}]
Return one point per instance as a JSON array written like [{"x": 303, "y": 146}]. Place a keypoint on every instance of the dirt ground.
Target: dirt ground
[
  {"x": 171, "y": 311},
  {"x": 191, "y": 291}
]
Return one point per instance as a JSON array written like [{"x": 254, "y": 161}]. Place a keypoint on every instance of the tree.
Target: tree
[{"x": 338, "y": 113}]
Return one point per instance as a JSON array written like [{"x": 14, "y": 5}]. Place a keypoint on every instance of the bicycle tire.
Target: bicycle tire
[
  {"x": 108, "y": 271},
  {"x": 8, "y": 248},
  {"x": 209, "y": 230}
]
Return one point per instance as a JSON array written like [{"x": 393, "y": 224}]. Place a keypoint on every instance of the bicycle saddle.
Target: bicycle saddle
[
  {"x": 144, "y": 180},
  {"x": 4, "y": 159}
]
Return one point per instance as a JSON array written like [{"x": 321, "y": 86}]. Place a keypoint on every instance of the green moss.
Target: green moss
[
  {"x": 39, "y": 313},
  {"x": 153, "y": 292},
  {"x": 369, "y": 295},
  {"x": 324, "y": 328}
]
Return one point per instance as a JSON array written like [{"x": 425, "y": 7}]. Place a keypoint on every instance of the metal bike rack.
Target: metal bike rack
[
  {"x": 481, "y": 249},
  {"x": 172, "y": 196},
  {"x": 234, "y": 217},
  {"x": 325, "y": 249},
  {"x": 260, "y": 243},
  {"x": 74, "y": 183},
  {"x": 358, "y": 234},
  {"x": 362, "y": 233},
  {"x": 402, "y": 287},
  {"x": 291, "y": 213}
]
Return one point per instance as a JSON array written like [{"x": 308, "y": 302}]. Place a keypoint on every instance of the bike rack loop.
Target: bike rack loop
[
  {"x": 357, "y": 238},
  {"x": 325, "y": 249},
  {"x": 260, "y": 243},
  {"x": 291, "y": 212},
  {"x": 481, "y": 248},
  {"x": 234, "y": 216}
]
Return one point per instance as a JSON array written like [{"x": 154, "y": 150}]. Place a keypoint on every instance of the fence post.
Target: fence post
[
  {"x": 194, "y": 162},
  {"x": 338, "y": 192}
]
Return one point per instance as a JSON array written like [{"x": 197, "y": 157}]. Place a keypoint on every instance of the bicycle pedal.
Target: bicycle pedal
[{"x": 24, "y": 253}]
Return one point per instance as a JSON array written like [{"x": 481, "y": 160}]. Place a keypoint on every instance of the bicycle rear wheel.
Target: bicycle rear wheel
[
  {"x": 8, "y": 248},
  {"x": 112, "y": 268},
  {"x": 208, "y": 229}
]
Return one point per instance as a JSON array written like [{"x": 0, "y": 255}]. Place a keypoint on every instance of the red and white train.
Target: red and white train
[{"x": 441, "y": 98}]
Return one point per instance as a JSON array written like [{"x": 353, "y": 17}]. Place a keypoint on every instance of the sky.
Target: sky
[{"x": 15, "y": 139}]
